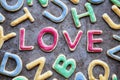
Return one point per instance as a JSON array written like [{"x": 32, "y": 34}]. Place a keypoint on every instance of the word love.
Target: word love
[
  {"x": 57, "y": 66},
  {"x": 72, "y": 45}
]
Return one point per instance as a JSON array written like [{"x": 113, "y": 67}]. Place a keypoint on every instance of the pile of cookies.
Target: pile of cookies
[{"x": 61, "y": 63}]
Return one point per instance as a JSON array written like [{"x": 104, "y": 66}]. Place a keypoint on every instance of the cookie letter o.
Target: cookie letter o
[{"x": 42, "y": 45}]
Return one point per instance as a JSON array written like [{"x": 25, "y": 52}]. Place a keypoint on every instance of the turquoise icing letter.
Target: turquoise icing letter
[{"x": 62, "y": 69}]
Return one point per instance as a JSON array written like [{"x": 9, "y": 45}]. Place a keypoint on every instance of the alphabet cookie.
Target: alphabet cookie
[
  {"x": 44, "y": 3},
  {"x": 72, "y": 45},
  {"x": 80, "y": 76},
  {"x": 116, "y": 37},
  {"x": 20, "y": 78},
  {"x": 12, "y": 8},
  {"x": 41, "y": 62},
  {"x": 42, "y": 45},
  {"x": 109, "y": 21},
  {"x": 116, "y": 2},
  {"x": 96, "y": 1},
  {"x": 90, "y": 13},
  {"x": 111, "y": 52},
  {"x": 114, "y": 77},
  {"x": 62, "y": 16},
  {"x": 101, "y": 63},
  {"x": 62, "y": 69},
  {"x": 27, "y": 15},
  {"x": 6, "y": 37},
  {"x": 18, "y": 68},
  {"x": 91, "y": 40},
  {"x": 2, "y": 18},
  {"x": 75, "y": 1},
  {"x": 22, "y": 40}
]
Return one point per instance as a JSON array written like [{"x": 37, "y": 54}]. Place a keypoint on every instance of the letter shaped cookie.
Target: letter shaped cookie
[
  {"x": 109, "y": 21},
  {"x": 42, "y": 45},
  {"x": 96, "y": 1},
  {"x": 22, "y": 41},
  {"x": 18, "y": 68},
  {"x": 12, "y": 8},
  {"x": 72, "y": 45},
  {"x": 6, "y": 37},
  {"x": 20, "y": 78},
  {"x": 80, "y": 76},
  {"x": 101, "y": 63},
  {"x": 111, "y": 52},
  {"x": 62, "y": 16},
  {"x": 62, "y": 69},
  {"x": 44, "y": 3},
  {"x": 90, "y": 13},
  {"x": 2, "y": 18},
  {"x": 91, "y": 41},
  {"x": 41, "y": 63},
  {"x": 114, "y": 77},
  {"x": 27, "y": 15},
  {"x": 116, "y": 2},
  {"x": 75, "y": 1}
]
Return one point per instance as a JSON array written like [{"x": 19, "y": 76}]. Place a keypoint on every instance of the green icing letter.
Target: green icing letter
[
  {"x": 62, "y": 69},
  {"x": 20, "y": 78}
]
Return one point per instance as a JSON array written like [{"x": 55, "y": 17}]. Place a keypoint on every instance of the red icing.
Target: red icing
[
  {"x": 72, "y": 45},
  {"x": 44, "y": 47},
  {"x": 91, "y": 41},
  {"x": 22, "y": 40}
]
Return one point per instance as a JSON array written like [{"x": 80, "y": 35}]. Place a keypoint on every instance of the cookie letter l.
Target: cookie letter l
[{"x": 22, "y": 40}]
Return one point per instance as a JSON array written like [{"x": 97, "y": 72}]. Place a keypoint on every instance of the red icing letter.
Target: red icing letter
[
  {"x": 42, "y": 45},
  {"x": 91, "y": 41},
  {"x": 72, "y": 45},
  {"x": 22, "y": 40}
]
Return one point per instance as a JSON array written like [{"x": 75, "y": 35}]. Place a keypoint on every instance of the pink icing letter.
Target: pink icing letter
[
  {"x": 72, "y": 45},
  {"x": 22, "y": 40},
  {"x": 91, "y": 41},
  {"x": 42, "y": 45}
]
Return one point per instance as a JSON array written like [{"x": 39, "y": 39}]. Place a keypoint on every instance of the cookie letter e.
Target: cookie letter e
[{"x": 91, "y": 41}]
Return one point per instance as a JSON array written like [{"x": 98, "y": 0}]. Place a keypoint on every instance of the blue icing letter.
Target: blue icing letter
[
  {"x": 111, "y": 52},
  {"x": 80, "y": 76},
  {"x": 12, "y": 8},
  {"x": 96, "y": 1},
  {"x": 18, "y": 68},
  {"x": 2, "y": 18},
  {"x": 63, "y": 15}
]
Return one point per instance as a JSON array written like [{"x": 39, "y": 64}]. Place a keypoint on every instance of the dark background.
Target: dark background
[{"x": 82, "y": 57}]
